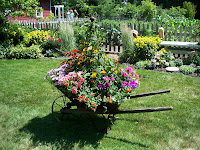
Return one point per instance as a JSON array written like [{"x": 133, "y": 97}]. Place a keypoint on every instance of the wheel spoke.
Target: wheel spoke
[{"x": 58, "y": 105}]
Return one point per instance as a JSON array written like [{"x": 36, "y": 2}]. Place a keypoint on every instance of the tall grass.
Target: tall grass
[
  {"x": 66, "y": 34},
  {"x": 128, "y": 44}
]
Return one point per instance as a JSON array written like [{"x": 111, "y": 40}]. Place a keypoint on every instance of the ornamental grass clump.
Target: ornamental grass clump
[{"x": 90, "y": 79}]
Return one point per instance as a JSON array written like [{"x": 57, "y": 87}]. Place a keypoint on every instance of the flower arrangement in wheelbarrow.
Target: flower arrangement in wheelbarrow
[{"x": 92, "y": 80}]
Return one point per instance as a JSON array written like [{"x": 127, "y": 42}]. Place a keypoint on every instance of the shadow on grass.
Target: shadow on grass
[{"x": 76, "y": 130}]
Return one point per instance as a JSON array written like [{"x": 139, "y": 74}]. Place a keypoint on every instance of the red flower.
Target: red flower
[
  {"x": 92, "y": 81},
  {"x": 66, "y": 84},
  {"x": 92, "y": 104},
  {"x": 59, "y": 39},
  {"x": 86, "y": 99}
]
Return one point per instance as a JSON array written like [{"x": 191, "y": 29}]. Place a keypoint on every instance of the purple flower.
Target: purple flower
[
  {"x": 45, "y": 77},
  {"x": 125, "y": 83},
  {"x": 107, "y": 85},
  {"x": 132, "y": 84},
  {"x": 101, "y": 85},
  {"x": 56, "y": 83}
]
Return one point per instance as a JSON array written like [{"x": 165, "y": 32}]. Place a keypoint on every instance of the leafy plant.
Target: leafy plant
[
  {"x": 141, "y": 64},
  {"x": 190, "y": 9},
  {"x": 21, "y": 52},
  {"x": 178, "y": 62},
  {"x": 185, "y": 69}
]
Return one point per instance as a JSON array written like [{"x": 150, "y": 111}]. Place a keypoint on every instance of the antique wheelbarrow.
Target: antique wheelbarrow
[{"x": 61, "y": 106}]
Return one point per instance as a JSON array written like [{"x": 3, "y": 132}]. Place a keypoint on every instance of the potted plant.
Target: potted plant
[
  {"x": 197, "y": 32},
  {"x": 89, "y": 78}
]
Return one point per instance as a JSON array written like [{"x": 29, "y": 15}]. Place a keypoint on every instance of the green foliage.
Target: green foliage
[
  {"x": 172, "y": 64},
  {"x": 185, "y": 69},
  {"x": 141, "y": 64},
  {"x": 176, "y": 11},
  {"x": 178, "y": 62},
  {"x": 51, "y": 47},
  {"x": 11, "y": 33},
  {"x": 66, "y": 33},
  {"x": 193, "y": 58},
  {"x": 21, "y": 52},
  {"x": 147, "y": 9},
  {"x": 113, "y": 36},
  {"x": 128, "y": 45},
  {"x": 190, "y": 9}
]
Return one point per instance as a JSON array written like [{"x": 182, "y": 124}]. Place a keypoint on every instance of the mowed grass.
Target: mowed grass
[{"x": 26, "y": 121}]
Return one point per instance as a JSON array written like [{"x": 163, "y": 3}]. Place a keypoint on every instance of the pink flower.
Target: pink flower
[
  {"x": 124, "y": 73},
  {"x": 192, "y": 52},
  {"x": 59, "y": 39},
  {"x": 106, "y": 78},
  {"x": 75, "y": 83},
  {"x": 82, "y": 80},
  {"x": 79, "y": 85},
  {"x": 166, "y": 64},
  {"x": 49, "y": 38},
  {"x": 74, "y": 90},
  {"x": 129, "y": 69},
  {"x": 112, "y": 79}
]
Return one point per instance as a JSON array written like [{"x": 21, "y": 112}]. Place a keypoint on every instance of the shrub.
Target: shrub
[
  {"x": 176, "y": 11},
  {"x": 145, "y": 48},
  {"x": 11, "y": 32},
  {"x": 193, "y": 58},
  {"x": 185, "y": 69},
  {"x": 147, "y": 9},
  {"x": 172, "y": 63},
  {"x": 128, "y": 45},
  {"x": 190, "y": 9},
  {"x": 178, "y": 62},
  {"x": 51, "y": 47},
  {"x": 141, "y": 65},
  {"x": 21, "y": 52},
  {"x": 66, "y": 33}
]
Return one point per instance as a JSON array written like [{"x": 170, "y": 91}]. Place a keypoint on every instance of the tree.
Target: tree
[
  {"x": 190, "y": 9},
  {"x": 17, "y": 8}
]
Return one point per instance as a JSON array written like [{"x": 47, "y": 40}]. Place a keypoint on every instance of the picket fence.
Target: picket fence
[{"x": 179, "y": 34}]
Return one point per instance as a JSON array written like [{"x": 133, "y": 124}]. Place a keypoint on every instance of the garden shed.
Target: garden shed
[{"x": 44, "y": 4}]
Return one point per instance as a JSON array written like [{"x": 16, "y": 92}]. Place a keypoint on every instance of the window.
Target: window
[{"x": 39, "y": 13}]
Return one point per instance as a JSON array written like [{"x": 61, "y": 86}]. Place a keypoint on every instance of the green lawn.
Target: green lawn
[{"x": 26, "y": 121}]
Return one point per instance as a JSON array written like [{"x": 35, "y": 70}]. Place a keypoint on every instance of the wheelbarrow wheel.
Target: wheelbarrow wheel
[{"x": 58, "y": 104}]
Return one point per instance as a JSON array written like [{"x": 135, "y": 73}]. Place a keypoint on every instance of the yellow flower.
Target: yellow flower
[
  {"x": 82, "y": 54},
  {"x": 103, "y": 72},
  {"x": 89, "y": 48},
  {"x": 95, "y": 51},
  {"x": 94, "y": 75},
  {"x": 115, "y": 71},
  {"x": 78, "y": 63}
]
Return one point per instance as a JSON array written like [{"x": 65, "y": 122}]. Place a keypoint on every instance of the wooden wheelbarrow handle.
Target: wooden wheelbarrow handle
[{"x": 149, "y": 94}]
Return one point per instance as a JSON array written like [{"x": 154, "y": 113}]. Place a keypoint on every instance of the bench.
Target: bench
[{"x": 181, "y": 49}]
